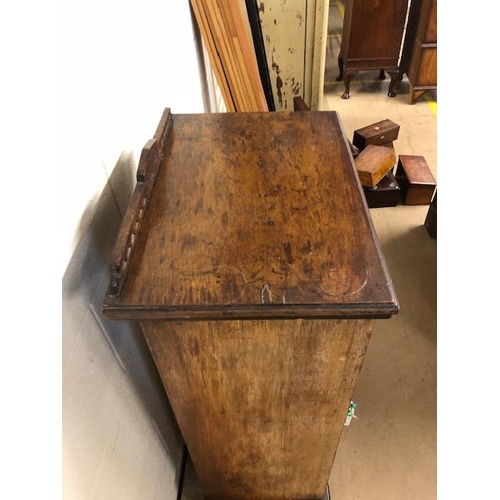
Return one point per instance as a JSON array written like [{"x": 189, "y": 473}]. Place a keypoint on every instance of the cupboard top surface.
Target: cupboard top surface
[{"x": 255, "y": 215}]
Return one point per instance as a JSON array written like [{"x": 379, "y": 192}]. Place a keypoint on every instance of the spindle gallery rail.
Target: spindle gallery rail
[{"x": 151, "y": 158}]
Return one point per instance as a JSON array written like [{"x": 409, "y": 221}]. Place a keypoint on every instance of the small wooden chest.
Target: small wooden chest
[
  {"x": 415, "y": 180},
  {"x": 373, "y": 163},
  {"x": 378, "y": 133},
  {"x": 385, "y": 194}
]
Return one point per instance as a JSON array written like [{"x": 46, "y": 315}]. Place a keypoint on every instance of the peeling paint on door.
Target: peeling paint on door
[
  {"x": 294, "y": 33},
  {"x": 284, "y": 28}
]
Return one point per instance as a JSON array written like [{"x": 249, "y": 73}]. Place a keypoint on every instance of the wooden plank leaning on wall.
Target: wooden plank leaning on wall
[{"x": 223, "y": 30}]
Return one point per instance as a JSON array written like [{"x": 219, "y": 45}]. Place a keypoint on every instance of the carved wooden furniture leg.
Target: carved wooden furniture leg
[
  {"x": 340, "y": 60},
  {"x": 381, "y": 75},
  {"x": 348, "y": 76},
  {"x": 394, "y": 77}
]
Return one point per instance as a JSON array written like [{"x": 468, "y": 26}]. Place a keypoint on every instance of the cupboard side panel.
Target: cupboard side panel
[{"x": 261, "y": 404}]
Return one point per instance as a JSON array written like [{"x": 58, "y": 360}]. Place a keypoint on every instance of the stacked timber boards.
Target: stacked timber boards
[{"x": 226, "y": 35}]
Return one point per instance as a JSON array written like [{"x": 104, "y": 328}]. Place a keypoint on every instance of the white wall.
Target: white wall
[{"x": 123, "y": 63}]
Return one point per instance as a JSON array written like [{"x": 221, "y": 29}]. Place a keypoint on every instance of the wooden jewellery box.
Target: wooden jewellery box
[
  {"x": 385, "y": 194},
  {"x": 373, "y": 163},
  {"x": 415, "y": 180},
  {"x": 250, "y": 261},
  {"x": 378, "y": 133}
]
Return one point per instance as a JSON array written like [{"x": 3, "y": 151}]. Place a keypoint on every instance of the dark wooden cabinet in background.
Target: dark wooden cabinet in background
[
  {"x": 419, "y": 56},
  {"x": 249, "y": 257},
  {"x": 371, "y": 39}
]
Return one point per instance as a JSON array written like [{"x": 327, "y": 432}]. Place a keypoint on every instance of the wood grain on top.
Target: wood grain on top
[
  {"x": 256, "y": 215},
  {"x": 373, "y": 163},
  {"x": 416, "y": 170}
]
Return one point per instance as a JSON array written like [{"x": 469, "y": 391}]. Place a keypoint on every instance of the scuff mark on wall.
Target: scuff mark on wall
[
  {"x": 284, "y": 35},
  {"x": 300, "y": 17},
  {"x": 279, "y": 84},
  {"x": 295, "y": 86}
]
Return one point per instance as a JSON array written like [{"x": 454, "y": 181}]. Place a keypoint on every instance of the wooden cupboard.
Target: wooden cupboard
[
  {"x": 371, "y": 39},
  {"x": 249, "y": 258},
  {"x": 419, "y": 57}
]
